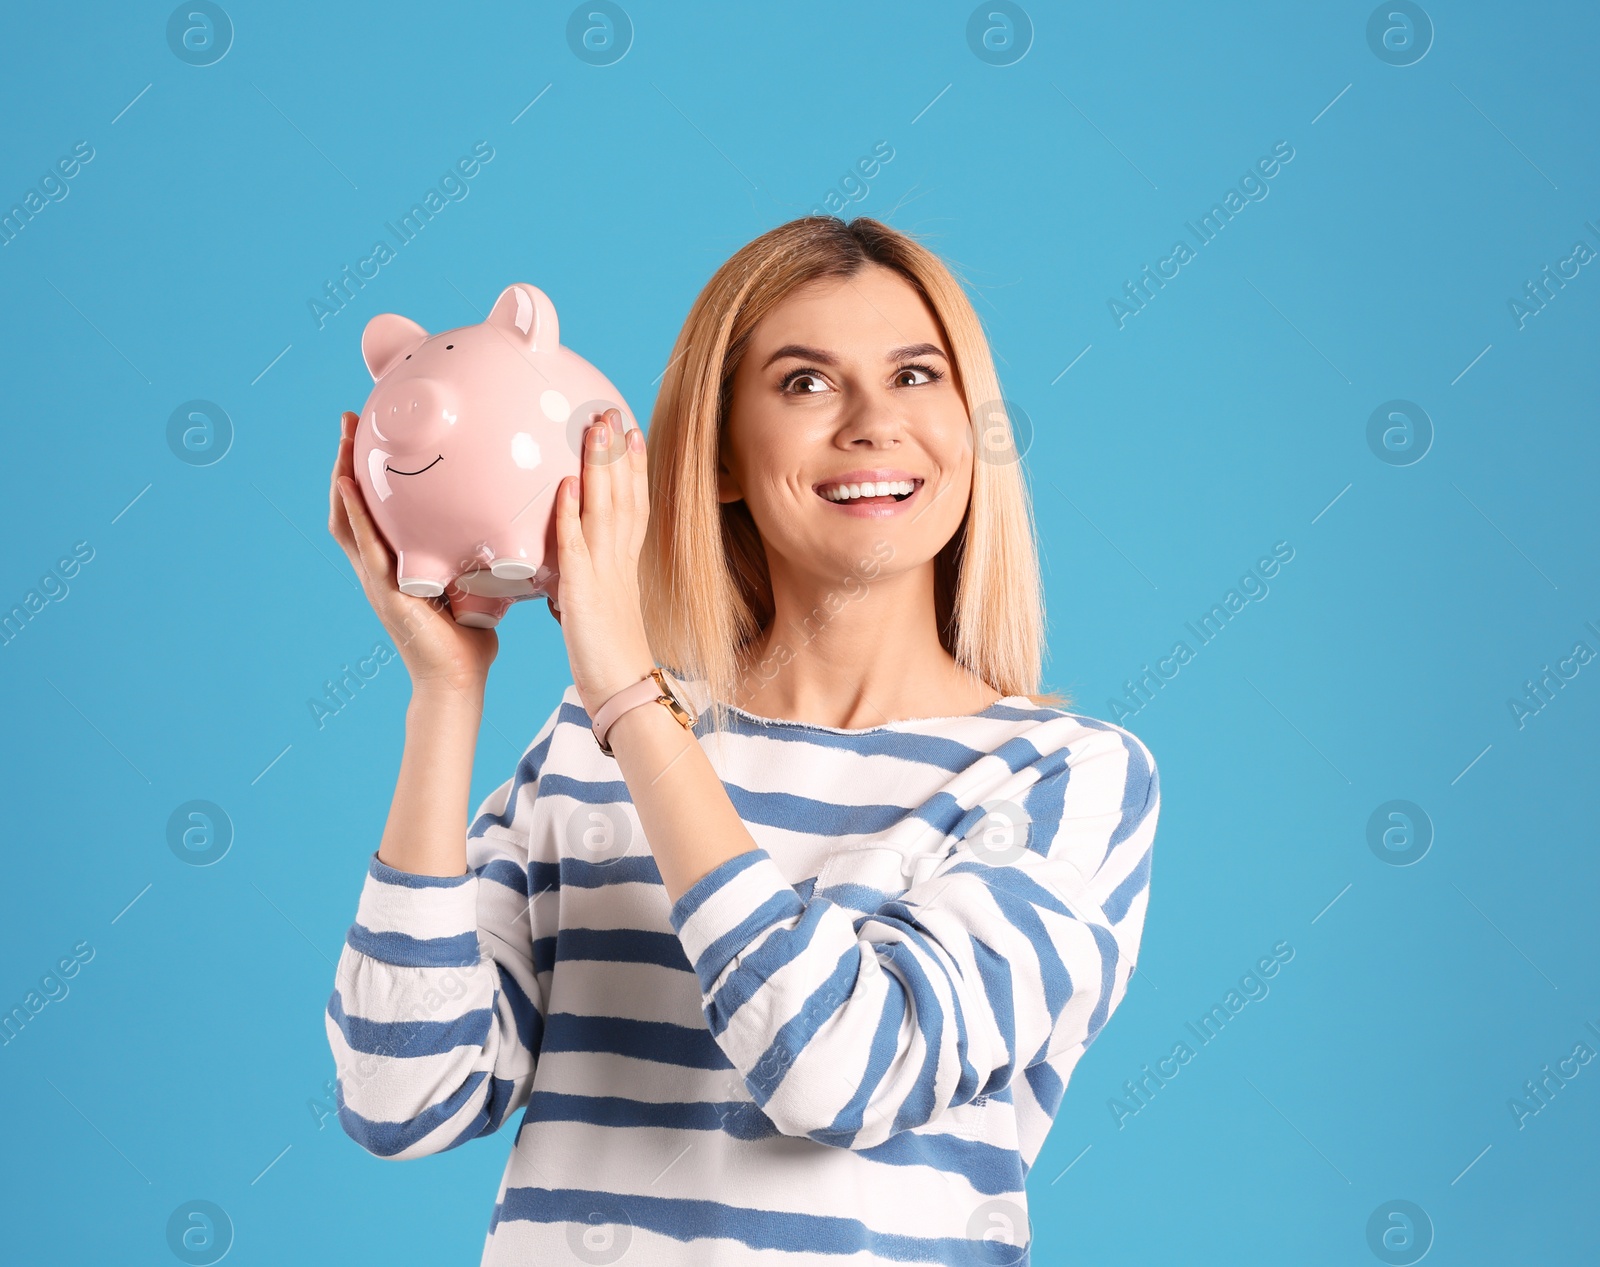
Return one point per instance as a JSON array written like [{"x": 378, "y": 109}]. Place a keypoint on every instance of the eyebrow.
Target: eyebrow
[{"x": 802, "y": 352}]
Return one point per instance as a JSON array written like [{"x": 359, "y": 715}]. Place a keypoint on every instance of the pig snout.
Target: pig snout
[{"x": 413, "y": 415}]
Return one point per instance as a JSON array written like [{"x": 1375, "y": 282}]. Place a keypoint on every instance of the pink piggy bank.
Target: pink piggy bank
[{"x": 463, "y": 443}]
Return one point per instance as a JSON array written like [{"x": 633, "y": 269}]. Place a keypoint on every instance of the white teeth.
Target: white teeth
[{"x": 884, "y": 488}]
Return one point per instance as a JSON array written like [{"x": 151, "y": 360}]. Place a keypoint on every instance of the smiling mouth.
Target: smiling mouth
[
  {"x": 832, "y": 493},
  {"x": 419, "y": 471}
]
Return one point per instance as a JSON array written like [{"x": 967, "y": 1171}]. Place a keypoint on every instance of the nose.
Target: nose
[
  {"x": 872, "y": 422},
  {"x": 414, "y": 414}
]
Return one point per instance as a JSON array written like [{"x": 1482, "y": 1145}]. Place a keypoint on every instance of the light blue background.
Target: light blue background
[{"x": 1229, "y": 415}]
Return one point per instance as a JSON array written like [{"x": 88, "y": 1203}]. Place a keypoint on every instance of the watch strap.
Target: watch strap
[{"x": 647, "y": 690}]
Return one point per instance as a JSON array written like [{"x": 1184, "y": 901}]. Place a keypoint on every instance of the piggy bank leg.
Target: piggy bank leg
[
  {"x": 421, "y": 575},
  {"x": 477, "y": 611},
  {"x": 513, "y": 569}
]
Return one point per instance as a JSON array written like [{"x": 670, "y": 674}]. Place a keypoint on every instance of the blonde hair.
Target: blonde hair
[{"x": 704, "y": 587}]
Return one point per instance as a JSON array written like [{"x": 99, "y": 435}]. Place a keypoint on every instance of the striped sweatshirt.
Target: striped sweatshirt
[{"x": 843, "y": 1046}]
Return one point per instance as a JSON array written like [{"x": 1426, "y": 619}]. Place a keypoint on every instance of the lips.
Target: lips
[
  {"x": 873, "y": 505},
  {"x": 866, "y": 475}
]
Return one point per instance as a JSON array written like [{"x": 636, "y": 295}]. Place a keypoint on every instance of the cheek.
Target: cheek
[{"x": 947, "y": 431}]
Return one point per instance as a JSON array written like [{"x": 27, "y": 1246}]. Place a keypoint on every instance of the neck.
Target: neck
[{"x": 853, "y": 649}]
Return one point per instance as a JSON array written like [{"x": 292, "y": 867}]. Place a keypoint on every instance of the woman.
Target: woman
[{"x": 806, "y": 981}]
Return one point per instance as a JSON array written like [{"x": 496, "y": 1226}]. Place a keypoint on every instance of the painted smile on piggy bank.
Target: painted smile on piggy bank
[{"x": 430, "y": 466}]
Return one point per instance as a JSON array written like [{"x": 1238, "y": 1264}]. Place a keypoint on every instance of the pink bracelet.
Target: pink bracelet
[{"x": 650, "y": 689}]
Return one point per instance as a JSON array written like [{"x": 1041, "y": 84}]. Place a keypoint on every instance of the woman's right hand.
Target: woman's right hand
[{"x": 435, "y": 649}]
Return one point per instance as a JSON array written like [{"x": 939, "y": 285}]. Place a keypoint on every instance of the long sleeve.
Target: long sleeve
[
  {"x": 851, "y": 1029},
  {"x": 442, "y": 986}
]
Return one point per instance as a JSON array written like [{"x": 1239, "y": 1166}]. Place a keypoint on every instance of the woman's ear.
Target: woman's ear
[{"x": 727, "y": 486}]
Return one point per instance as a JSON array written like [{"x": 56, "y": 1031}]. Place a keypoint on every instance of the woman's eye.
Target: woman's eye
[
  {"x": 799, "y": 376},
  {"x": 933, "y": 375}
]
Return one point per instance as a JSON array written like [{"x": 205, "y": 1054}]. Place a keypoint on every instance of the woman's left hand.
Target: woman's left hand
[{"x": 598, "y": 540}]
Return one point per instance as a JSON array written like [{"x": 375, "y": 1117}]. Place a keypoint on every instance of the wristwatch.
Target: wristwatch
[{"x": 650, "y": 689}]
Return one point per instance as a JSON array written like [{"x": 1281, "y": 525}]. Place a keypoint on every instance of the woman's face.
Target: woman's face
[{"x": 848, "y": 382}]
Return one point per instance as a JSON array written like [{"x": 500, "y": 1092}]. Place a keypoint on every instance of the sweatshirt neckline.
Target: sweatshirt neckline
[{"x": 869, "y": 730}]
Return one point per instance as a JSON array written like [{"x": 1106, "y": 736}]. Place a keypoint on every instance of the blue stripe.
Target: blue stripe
[
  {"x": 491, "y": 1116},
  {"x": 544, "y": 954},
  {"x": 580, "y": 873},
  {"x": 1047, "y": 1087},
  {"x": 860, "y": 897},
  {"x": 799, "y": 1029},
  {"x": 1028, "y": 712},
  {"x": 918, "y": 1105},
  {"x": 715, "y": 957},
  {"x": 738, "y": 1118},
  {"x": 776, "y": 951},
  {"x": 967, "y": 1083},
  {"x": 815, "y": 817},
  {"x": 586, "y": 791},
  {"x": 527, "y": 772},
  {"x": 385, "y": 1139},
  {"x": 524, "y": 1011},
  {"x": 934, "y": 750},
  {"x": 1015, "y": 882},
  {"x": 405, "y": 951},
  {"x": 542, "y": 877},
  {"x": 1020, "y": 752},
  {"x": 1046, "y": 802},
  {"x": 692, "y": 898},
  {"x": 659, "y": 1042},
  {"x": 1139, "y": 790},
  {"x": 942, "y": 812},
  {"x": 990, "y": 1169},
  {"x": 505, "y": 872},
  {"x": 409, "y": 879},
  {"x": 685, "y": 1219},
  {"x": 1018, "y": 896},
  {"x": 622, "y": 945},
  {"x": 1116, "y": 906},
  {"x": 1108, "y": 972},
  {"x": 995, "y": 973},
  {"x": 848, "y": 1122},
  {"x": 409, "y": 1039}
]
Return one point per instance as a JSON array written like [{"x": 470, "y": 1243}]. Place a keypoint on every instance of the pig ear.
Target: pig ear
[
  {"x": 525, "y": 314},
  {"x": 387, "y": 338}
]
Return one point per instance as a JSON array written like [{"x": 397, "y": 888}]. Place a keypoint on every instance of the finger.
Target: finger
[
  {"x": 621, "y": 473},
  {"x": 338, "y": 519},
  {"x": 374, "y": 553},
  {"x": 638, "y": 461},
  {"x": 572, "y": 551},
  {"x": 340, "y": 515},
  {"x": 599, "y": 511}
]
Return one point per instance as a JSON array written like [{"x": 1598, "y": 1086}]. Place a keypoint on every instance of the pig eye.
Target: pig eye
[
  {"x": 408, "y": 356},
  {"x": 448, "y": 346}
]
